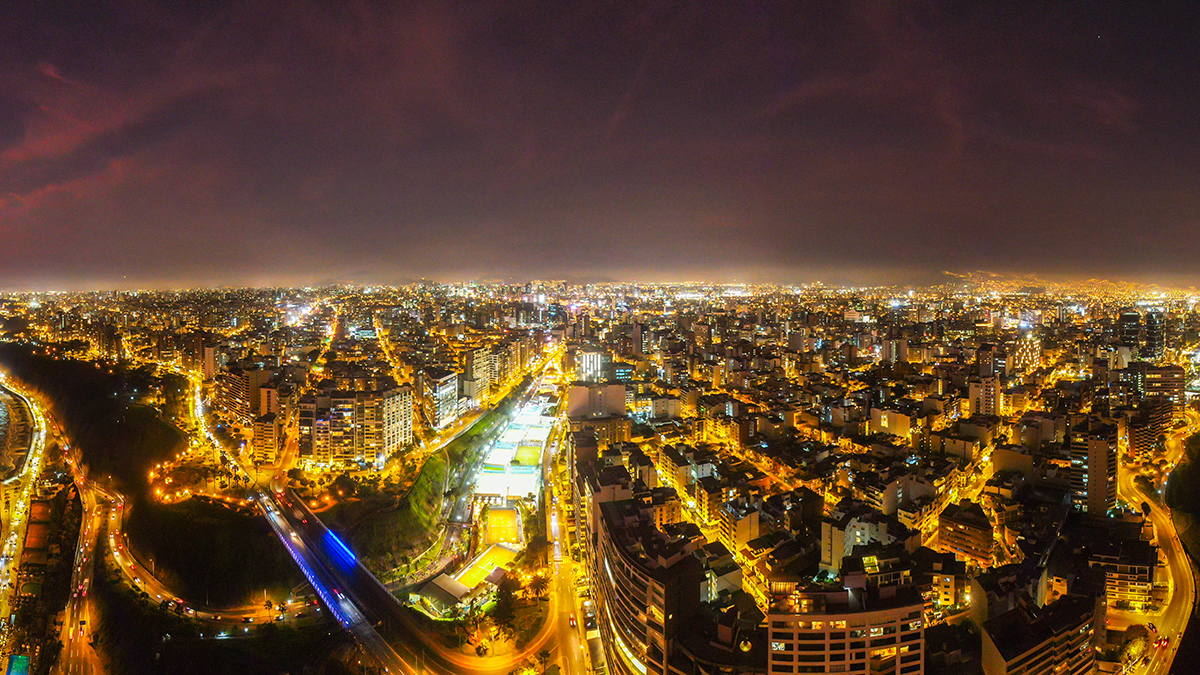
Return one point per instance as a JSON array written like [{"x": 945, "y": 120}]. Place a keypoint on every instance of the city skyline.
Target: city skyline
[
  {"x": 766, "y": 337},
  {"x": 482, "y": 479},
  {"x": 154, "y": 146}
]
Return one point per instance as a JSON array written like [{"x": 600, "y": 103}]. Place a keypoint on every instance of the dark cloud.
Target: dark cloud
[
  {"x": 243, "y": 141},
  {"x": 12, "y": 122},
  {"x": 98, "y": 150}
]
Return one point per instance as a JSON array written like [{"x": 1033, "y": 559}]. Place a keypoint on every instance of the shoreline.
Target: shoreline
[{"x": 16, "y": 432}]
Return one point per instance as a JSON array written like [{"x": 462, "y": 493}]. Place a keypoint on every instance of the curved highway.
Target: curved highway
[{"x": 1173, "y": 620}]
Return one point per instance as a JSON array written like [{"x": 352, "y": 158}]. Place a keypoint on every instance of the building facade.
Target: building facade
[{"x": 854, "y": 630}]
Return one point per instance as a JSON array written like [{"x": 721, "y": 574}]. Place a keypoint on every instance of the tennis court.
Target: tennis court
[
  {"x": 493, "y": 557},
  {"x": 529, "y": 455},
  {"x": 503, "y": 526}
]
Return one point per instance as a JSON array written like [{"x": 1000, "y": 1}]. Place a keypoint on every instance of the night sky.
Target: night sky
[{"x": 246, "y": 143}]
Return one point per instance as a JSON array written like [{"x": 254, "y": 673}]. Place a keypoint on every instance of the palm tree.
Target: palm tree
[
  {"x": 539, "y": 585},
  {"x": 543, "y": 658}
]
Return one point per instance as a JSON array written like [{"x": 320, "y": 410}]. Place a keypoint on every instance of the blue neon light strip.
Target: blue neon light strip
[{"x": 340, "y": 548}]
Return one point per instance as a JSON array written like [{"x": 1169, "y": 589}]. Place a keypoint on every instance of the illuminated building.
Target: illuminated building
[
  {"x": 647, "y": 583},
  {"x": 992, "y": 361},
  {"x": 306, "y": 417},
  {"x": 894, "y": 350},
  {"x": 441, "y": 396},
  {"x": 593, "y": 365},
  {"x": 640, "y": 339},
  {"x": 1166, "y": 381},
  {"x": 985, "y": 396},
  {"x": 267, "y": 435},
  {"x": 595, "y": 400},
  {"x": 1028, "y": 353},
  {"x": 853, "y": 524},
  {"x": 621, "y": 372},
  {"x": 1128, "y": 566},
  {"x": 1156, "y": 339},
  {"x": 383, "y": 424},
  {"x": 479, "y": 373},
  {"x": 1150, "y": 380},
  {"x": 273, "y": 398},
  {"x": 1150, "y": 423},
  {"x": 346, "y": 428},
  {"x": 200, "y": 356},
  {"x": 865, "y": 627},
  {"x": 608, "y": 429},
  {"x": 740, "y": 523},
  {"x": 1051, "y": 640},
  {"x": 965, "y": 531},
  {"x": 340, "y": 445},
  {"x": 1094, "y": 465},
  {"x": 1129, "y": 329},
  {"x": 238, "y": 395}
]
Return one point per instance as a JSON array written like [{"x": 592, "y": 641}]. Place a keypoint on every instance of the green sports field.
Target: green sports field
[
  {"x": 528, "y": 455},
  {"x": 493, "y": 557}
]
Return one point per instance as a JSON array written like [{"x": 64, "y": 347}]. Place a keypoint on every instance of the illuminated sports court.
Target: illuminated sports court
[
  {"x": 503, "y": 526},
  {"x": 474, "y": 573}
]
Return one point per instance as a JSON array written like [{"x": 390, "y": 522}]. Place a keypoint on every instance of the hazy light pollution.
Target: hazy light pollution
[{"x": 178, "y": 143}]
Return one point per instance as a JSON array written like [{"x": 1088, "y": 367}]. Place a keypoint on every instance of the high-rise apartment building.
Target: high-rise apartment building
[
  {"x": 992, "y": 361},
  {"x": 1051, "y": 640},
  {"x": 1156, "y": 337},
  {"x": 858, "y": 629},
  {"x": 894, "y": 350},
  {"x": 346, "y": 428},
  {"x": 306, "y": 419},
  {"x": 1149, "y": 380},
  {"x": 985, "y": 396},
  {"x": 1129, "y": 329},
  {"x": 1094, "y": 465},
  {"x": 200, "y": 355},
  {"x": 479, "y": 372},
  {"x": 1149, "y": 424},
  {"x": 267, "y": 438},
  {"x": 383, "y": 424},
  {"x": 640, "y": 339},
  {"x": 238, "y": 395},
  {"x": 339, "y": 446},
  {"x": 593, "y": 364},
  {"x": 647, "y": 582},
  {"x": 1168, "y": 382},
  {"x": 1027, "y": 354},
  {"x": 441, "y": 397}
]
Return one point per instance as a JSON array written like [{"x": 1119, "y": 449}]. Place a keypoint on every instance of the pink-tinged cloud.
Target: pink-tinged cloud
[{"x": 404, "y": 139}]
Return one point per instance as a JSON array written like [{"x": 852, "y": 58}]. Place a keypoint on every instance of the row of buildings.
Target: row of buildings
[{"x": 798, "y": 497}]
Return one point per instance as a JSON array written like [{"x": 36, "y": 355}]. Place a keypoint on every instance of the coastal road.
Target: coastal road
[{"x": 18, "y": 517}]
